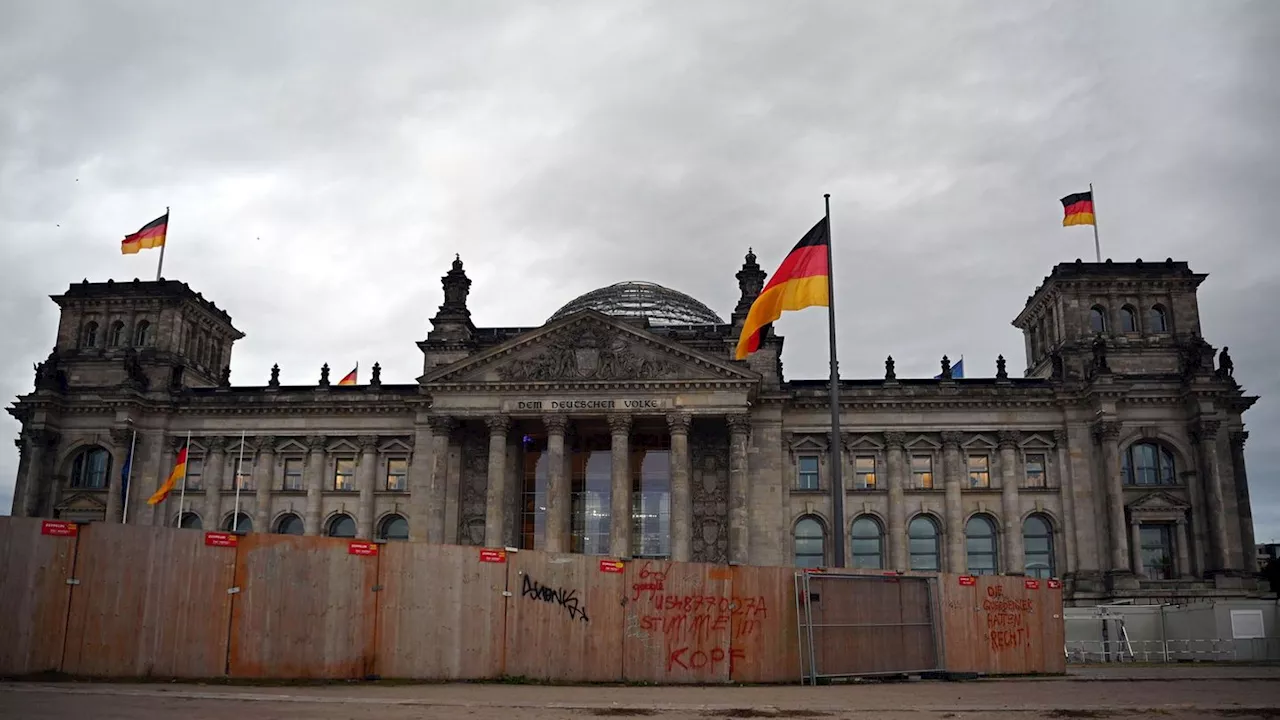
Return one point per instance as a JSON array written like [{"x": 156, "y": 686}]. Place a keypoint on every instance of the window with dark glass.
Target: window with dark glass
[
  {"x": 190, "y": 521},
  {"x": 238, "y": 523},
  {"x": 289, "y": 524},
  {"x": 292, "y": 474},
  {"x": 115, "y": 336},
  {"x": 1157, "y": 551},
  {"x": 591, "y": 495},
  {"x": 922, "y": 472},
  {"x": 91, "y": 468},
  {"x": 651, "y": 498},
  {"x": 979, "y": 471},
  {"x": 393, "y": 527},
  {"x": 1037, "y": 543},
  {"x": 1146, "y": 463},
  {"x": 1036, "y": 476},
  {"x": 342, "y": 526},
  {"x": 810, "y": 542},
  {"x": 1157, "y": 320},
  {"x": 195, "y": 473},
  {"x": 980, "y": 545},
  {"x": 242, "y": 472},
  {"x": 142, "y": 333},
  {"x": 922, "y": 536},
  {"x": 1097, "y": 319},
  {"x": 864, "y": 472},
  {"x": 90, "y": 338},
  {"x": 533, "y": 496},
  {"x": 1128, "y": 320},
  {"x": 807, "y": 472},
  {"x": 397, "y": 474},
  {"x": 867, "y": 540}
]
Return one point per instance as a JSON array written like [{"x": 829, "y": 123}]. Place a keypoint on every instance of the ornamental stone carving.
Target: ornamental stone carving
[
  {"x": 895, "y": 439},
  {"x": 43, "y": 438},
  {"x": 590, "y": 352},
  {"x": 1108, "y": 430},
  {"x": 265, "y": 443},
  {"x": 620, "y": 424},
  {"x": 679, "y": 423},
  {"x": 555, "y": 423},
  {"x": 1238, "y": 438},
  {"x": 1009, "y": 438},
  {"x": 215, "y": 443},
  {"x": 367, "y": 443},
  {"x": 498, "y": 424},
  {"x": 441, "y": 424},
  {"x": 1205, "y": 430},
  {"x": 951, "y": 439},
  {"x": 120, "y": 437},
  {"x": 317, "y": 443},
  {"x": 740, "y": 424}
]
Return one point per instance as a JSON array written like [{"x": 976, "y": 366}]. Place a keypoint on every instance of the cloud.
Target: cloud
[{"x": 324, "y": 161}]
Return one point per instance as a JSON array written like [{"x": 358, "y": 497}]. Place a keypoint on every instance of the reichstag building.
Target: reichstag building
[{"x": 621, "y": 427}]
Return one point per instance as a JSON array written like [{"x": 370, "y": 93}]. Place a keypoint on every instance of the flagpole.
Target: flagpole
[
  {"x": 837, "y": 479},
  {"x": 235, "y": 517},
  {"x": 182, "y": 495},
  {"x": 128, "y": 477},
  {"x": 160, "y": 265},
  {"x": 1097, "y": 247}
]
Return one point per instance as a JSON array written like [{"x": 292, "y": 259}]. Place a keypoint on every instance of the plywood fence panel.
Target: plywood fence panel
[
  {"x": 306, "y": 608},
  {"x": 440, "y": 613},
  {"x": 679, "y": 622},
  {"x": 1002, "y": 625},
  {"x": 870, "y": 624},
  {"x": 564, "y": 617},
  {"x": 34, "y": 569},
  {"x": 151, "y": 602},
  {"x": 764, "y": 646}
]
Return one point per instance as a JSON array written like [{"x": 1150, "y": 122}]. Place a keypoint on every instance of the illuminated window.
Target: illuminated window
[
  {"x": 1036, "y": 477},
  {"x": 922, "y": 472},
  {"x": 979, "y": 471},
  {"x": 864, "y": 472},
  {"x": 397, "y": 474},
  {"x": 344, "y": 474},
  {"x": 292, "y": 474}
]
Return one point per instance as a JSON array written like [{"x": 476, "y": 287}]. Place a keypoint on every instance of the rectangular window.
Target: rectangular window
[
  {"x": 397, "y": 474},
  {"x": 344, "y": 474},
  {"x": 292, "y": 474},
  {"x": 195, "y": 474},
  {"x": 241, "y": 473},
  {"x": 979, "y": 471},
  {"x": 864, "y": 472},
  {"x": 1157, "y": 551},
  {"x": 1036, "y": 477},
  {"x": 922, "y": 472},
  {"x": 807, "y": 472}
]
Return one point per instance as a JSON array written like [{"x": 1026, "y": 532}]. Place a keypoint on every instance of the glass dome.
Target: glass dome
[{"x": 634, "y": 299}]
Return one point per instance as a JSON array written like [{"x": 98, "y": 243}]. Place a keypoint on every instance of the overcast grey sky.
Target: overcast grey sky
[{"x": 325, "y": 160}]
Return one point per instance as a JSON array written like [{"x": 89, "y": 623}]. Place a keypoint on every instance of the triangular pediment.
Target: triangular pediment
[
  {"x": 81, "y": 502},
  {"x": 1158, "y": 502},
  {"x": 588, "y": 347}
]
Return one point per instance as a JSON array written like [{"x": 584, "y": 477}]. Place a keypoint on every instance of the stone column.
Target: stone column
[
  {"x": 1183, "y": 550},
  {"x": 620, "y": 494},
  {"x": 1206, "y": 437},
  {"x": 954, "y": 478},
  {"x": 438, "y": 478},
  {"x": 263, "y": 482},
  {"x": 1107, "y": 433},
  {"x": 681, "y": 489},
  {"x": 215, "y": 462},
  {"x": 314, "y": 480},
  {"x": 1010, "y": 508},
  {"x": 495, "y": 515},
  {"x": 1135, "y": 544},
  {"x": 40, "y": 441},
  {"x": 559, "y": 503},
  {"x": 1242, "y": 497},
  {"x": 739, "y": 498},
  {"x": 120, "y": 438},
  {"x": 1066, "y": 528},
  {"x": 894, "y": 451},
  {"x": 366, "y": 478}
]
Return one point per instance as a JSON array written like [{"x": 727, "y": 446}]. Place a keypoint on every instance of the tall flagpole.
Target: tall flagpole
[
  {"x": 128, "y": 478},
  {"x": 837, "y": 479},
  {"x": 160, "y": 265},
  {"x": 182, "y": 495},
  {"x": 235, "y": 517},
  {"x": 1097, "y": 247}
]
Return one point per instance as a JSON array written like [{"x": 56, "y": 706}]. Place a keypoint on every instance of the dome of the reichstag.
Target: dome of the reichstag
[{"x": 633, "y": 299}]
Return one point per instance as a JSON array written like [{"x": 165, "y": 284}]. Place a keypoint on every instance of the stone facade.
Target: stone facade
[{"x": 1115, "y": 463}]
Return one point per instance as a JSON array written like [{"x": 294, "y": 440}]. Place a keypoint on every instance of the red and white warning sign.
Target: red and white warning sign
[
  {"x": 611, "y": 566},
  {"x": 58, "y": 528},
  {"x": 362, "y": 548},
  {"x": 493, "y": 555},
  {"x": 221, "y": 539},
  {"x": 1054, "y": 584},
  {"x": 968, "y": 581},
  {"x": 1031, "y": 584}
]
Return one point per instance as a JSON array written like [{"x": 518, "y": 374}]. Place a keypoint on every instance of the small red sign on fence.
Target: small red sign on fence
[
  {"x": 1031, "y": 584},
  {"x": 362, "y": 548},
  {"x": 494, "y": 556},
  {"x": 58, "y": 528},
  {"x": 968, "y": 581},
  {"x": 1054, "y": 584},
  {"x": 218, "y": 539},
  {"x": 611, "y": 566}
]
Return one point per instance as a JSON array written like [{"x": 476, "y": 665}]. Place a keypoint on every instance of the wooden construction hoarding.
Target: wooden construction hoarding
[
  {"x": 1003, "y": 625},
  {"x": 37, "y": 559}
]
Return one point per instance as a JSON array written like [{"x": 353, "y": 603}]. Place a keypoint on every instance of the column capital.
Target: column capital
[
  {"x": 895, "y": 439},
  {"x": 1205, "y": 430},
  {"x": 177, "y": 442},
  {"x": 620, "y": 424},
  {"x": 1060, "y": 437},
  {"x": 43, "y": 438},
  {"x": 498, "y": 425},
  {"x": 215, "y": 443},
  {"x": 739, "y": 423},
  {"x": 265, "y": 443},
  {"x": 1009, "y": 439},
  {"x": 367, "y": 443},
  {"x": 441, "y": 424},
  {"x": 951, "y": 439},
  {"x": 1238, "y": 438},
  {"x": 317, "y": 443},
  {"x": 678, "y": 423},
  {"x": 1107, "y": 430},
  {"x": 555, "y": 424},
  {"x": 120, "y": 436}
]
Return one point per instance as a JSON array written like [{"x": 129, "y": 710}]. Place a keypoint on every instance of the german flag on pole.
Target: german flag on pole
[
  {"x": 149, "y": 236},
  {"x": 179, "y": 470},
  {"x": 800, "y": 282},
  {"x": 1078, "y": 208},
  {"x": 349, "y": 378}
]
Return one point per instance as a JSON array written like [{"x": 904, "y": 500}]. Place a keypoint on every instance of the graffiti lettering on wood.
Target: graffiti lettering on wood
[
  {"x": 651, "y": 580},
  {"x": 567, "y": 599},
  {"x": 691, "y": 659},
  {"x": 1006, "y": 620}
]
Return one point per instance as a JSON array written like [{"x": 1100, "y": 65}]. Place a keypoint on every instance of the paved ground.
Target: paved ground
[{"x": 1194, "y": 693}]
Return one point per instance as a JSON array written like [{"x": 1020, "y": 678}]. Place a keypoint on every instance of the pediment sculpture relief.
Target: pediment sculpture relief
[{"x": 591, "y": 352}]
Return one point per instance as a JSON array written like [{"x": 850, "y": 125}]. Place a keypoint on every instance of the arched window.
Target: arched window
[
  {"x": 90, "y": 338},
  {"x": 1128, "y": 319},
  {"x": 238, "y": 523},
  {"x": 925, "y": 549},
  {"x": 342, "y": 526},
  {"x": 190, "y": 521},
  {"x": 91, "y": 468},
  {"x": 115, "y": 337},
  {"x": 980, "y": 545},
  {"x": 1037, "y": 539},
  {"x": 1146, "y": 463},
  {"x": 868, "y": 543},
  {"x": 393, "y": 527},
  {"x": 1097, "y": 319},
  {"x": 289, "y": 524},
  {"x": 142, "y": 333},
  {"x": 1157, "y": 320},
  {"x": 810, "y": 543}
]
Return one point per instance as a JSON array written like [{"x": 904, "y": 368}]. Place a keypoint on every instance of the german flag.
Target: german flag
[
  {"x": 349, "y": 378},
  {"x": 1078, "y": 208},
  {"x": 179, "y": 473},
  {"x": 801, "y": 281},
  {"x": 149, "y": 236}
]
